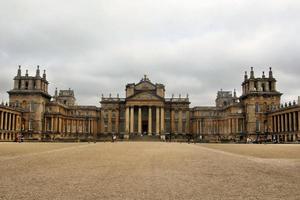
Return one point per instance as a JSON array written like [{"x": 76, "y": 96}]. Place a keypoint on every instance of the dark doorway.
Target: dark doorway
[{"x": 145, "y": 127}]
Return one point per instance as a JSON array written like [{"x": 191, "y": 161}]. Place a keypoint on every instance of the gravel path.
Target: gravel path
[{"x": 141, "y": 170}]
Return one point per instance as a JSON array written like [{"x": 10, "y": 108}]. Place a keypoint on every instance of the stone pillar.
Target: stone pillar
[
  {"x": 295, "y": 123},
  {"x": 10, "y": 121},
  {"x": 286, "y": 122},
  {"x": 109, "y": 125},
  {"x": 277, "y": 124},
  {"x": 290, "y": 122},
  {"x": 13, "y": 122},
  {"x": 298, "y": 121},
  {"x": 157, "y": 121},
  {"x": 282, "y": 123},
  {"x": 172, "y": 121},
  {"x": 6, "y": 121},
  {"x": 162, "y": 119},
  {"x": 116, "y": 122},
  {"x": 180, "y": 121},
  {"x": 1, "y": 120},
  {"x": 140, "y": 120},
  {"x": 132, "y": 120},
  {"x": 150, "y": 121},
  {"x": 52, "y": 124},
  {"x": 127, "y": 120}
]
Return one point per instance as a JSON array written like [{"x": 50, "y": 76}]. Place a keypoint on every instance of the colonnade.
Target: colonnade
[
  {"x": 57, "y": 124},
  {"x": 216, "y": 126},
  {"x": 9, "y": 124},
  {"x": 130, "y": 126},
  {"x": 285, "y": 126}
]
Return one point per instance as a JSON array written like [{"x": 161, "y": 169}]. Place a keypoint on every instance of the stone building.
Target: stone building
[{"x": 145, "y": 111}]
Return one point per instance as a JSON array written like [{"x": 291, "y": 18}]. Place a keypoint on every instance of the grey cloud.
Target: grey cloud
[{"x": 194, "y": 47}]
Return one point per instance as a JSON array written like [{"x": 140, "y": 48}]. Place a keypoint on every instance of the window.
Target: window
[
  {"x": 257, "y": 108},
  {"x": 26, "y": 85},
  {"x": 257, "y": 126},
  {"x": 263, "y": 87}
]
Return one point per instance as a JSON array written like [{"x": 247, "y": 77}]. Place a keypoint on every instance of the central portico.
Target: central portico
[
  {"x": 144, "y": 106},
  {"x": 144, "y": 111}
]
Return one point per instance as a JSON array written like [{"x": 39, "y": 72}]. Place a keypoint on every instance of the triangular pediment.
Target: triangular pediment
[
  {"x": 145, "y": 85},
  {"x": 145, "y": 96}
]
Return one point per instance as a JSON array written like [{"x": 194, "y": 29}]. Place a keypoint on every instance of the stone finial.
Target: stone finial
[
  {"x": 118, "y": 95},
  {"x": 55, "y": 92},
  {"x": 172, "y": 96},
  {"x": 251, "y": 73},
  {"x": 102, "y": 95},
  {"x": 26, "y": 72},
  {"x": 245, "y": 76},
  {"x": 109, "y": 95},
  {"x": 187, "y": 96},
  {"x": 234, "y": 93},
  {"x": 270, "y": 73},
  {"x": 37, "y": 71},
  {"x": 263, "y": 75},
  {"x": 19, "y": 71},
  {"x": 179, "y": 96},
  {"x": 294, "y": 102},
  {"x": 44, "y": 74}
]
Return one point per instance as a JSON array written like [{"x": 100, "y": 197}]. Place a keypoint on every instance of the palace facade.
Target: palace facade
[{"x": 145, "y": 111}]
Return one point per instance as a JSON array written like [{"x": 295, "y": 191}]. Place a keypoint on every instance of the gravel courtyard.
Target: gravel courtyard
[{"x": 148, "y": 170}]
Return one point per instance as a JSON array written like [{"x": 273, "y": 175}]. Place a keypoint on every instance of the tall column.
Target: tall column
[
  {"x": 172, "y": 121},
  {"x": 127, "y": 120},
  {"x": 1, "y": 120},
  {"x": 13, "y": 122},
  {"x": 150, "y": 121},
  {"x": 157, "y": 121},
  {"x": 140, "y": 120},
  {"x": 6, "y": 121},
  {"x": 52, "y": 124},
  {"x": 162, "y": 119},
  {"x": 290, "y": 122},
  {"x": 295, "y": 123},
  {"x": 116, "y": 122},
  {"x": 9, "y": 121},
  {"x": 282, "y": 122},
  {"x": 298, "y": 121},
  {"x": 286, "y": 122},
  {"x": 132, "y": 120},
  {"x": 109, "y": 121},
  {"x": 180, "y": 121}
]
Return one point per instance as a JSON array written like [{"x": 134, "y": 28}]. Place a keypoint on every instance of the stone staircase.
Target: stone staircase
[{"x": 146, "y": 138}]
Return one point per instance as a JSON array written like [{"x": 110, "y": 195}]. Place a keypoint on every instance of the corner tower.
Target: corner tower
[
  {"x": 259, "y": 94},
  {"x": 31, "y": 93}
]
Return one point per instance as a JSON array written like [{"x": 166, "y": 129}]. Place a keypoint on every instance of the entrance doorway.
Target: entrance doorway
[{"x": 144, "y": 127}]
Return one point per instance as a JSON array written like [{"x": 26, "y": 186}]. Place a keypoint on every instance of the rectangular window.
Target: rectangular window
[{"x": 257, "y": 126}]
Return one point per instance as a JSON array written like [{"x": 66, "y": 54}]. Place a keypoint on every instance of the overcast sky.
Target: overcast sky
[{"x": 191, "y": 46}]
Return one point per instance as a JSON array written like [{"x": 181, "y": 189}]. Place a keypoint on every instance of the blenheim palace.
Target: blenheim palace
[{"x": 145, "y": 112}]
